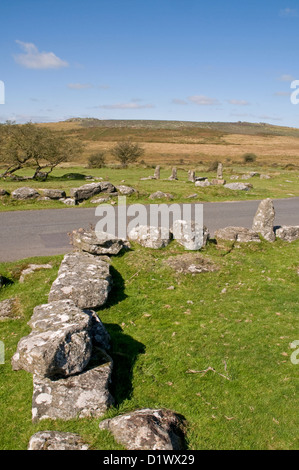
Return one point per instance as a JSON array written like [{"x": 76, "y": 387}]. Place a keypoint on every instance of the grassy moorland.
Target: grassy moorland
[
  {"x": 239, "y": 320},
  {"x": 282, "y": 184}
]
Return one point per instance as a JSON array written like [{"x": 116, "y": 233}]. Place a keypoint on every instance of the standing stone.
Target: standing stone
[
  {"x": 148, "y": 429},
  {"x": 220, "y": 171},
  {"x": 191, "y": 176},
  {"x": 173, "y": 175},
  {"x": 157, "y": 172},
  {"x": 264, "y": 220},
  {"x": 56, "y": 440}
]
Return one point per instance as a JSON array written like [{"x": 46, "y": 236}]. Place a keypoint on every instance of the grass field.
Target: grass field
[
  {"x": 239, "y": 320},
  {"x": 282, "y": 184}
]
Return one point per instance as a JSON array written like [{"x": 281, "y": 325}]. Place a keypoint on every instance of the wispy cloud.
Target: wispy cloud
[
  {"x": 286, "y": 78},
  {"x": 33, "y": 59},
  {"x": 202, "y": 100},
  {"x": 178, "y": 101},
  {"x": 130, "y": 105},
  {"x": 79, "y": 86},
  {"x": 239, "y": 102},
  {"x": 288, "y": 12}
]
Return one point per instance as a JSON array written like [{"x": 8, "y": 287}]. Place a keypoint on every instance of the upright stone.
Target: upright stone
[
  {"x": 264, "y": 220},
  {"x": 157, "y": 172},
  {"x": 173, "y": 175},
  {"x": 191, "y": 176},
  {"x": 220, "y": 171}
]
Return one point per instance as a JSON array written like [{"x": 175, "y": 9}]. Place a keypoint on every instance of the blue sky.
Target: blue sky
[{"x": 187, "y": 60}]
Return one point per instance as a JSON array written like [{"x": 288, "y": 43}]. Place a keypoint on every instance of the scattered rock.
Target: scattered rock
[
  {"x": 55, "y": 440},
  {"x": 190, "y": 234},
  {"x": 92, "y": 189},
  {"x": 192, "y": 196},
  {"x": 160, "y": 195},
  {"x": 97, "y": 243},
  {"x": 54, "y": 193},
  {"x": 148, "y": 429},
  {"x": 238, "y": 234},
  {"x": 68, "y": 201},
  {"x": 234, "y": 177},
  {"x": 264, "y": 219},
  {"x": 288, "y": 233},
  {"x": 125, "y": 190},
  {"x": 150, "y": 237},
  {"x": 238, "y": 186},
  {"x": 32, "y": 268},
  {"x": 100, "y": 200},
  {"x": 190, "y": 264},
  {"x": 80, "y": 396},
  {"x": 265, "y": 177},
  {"x": 3, "y": 192},
  {"x": 202, "y": 183},
  {"x": 218, "y": 182},
  {"x": 25, "y": 193},
  {"x": 8, "y": 308},
  {"x": 83, "y": 278}
]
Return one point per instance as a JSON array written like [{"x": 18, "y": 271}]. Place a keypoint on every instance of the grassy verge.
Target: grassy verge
[
  {"x": 238, "y": 320},
  {"x": 282, "y": 184}
]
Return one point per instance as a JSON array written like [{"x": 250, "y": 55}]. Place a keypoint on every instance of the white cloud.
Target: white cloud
[
  {"x": 132, "y": 105},
  {"x": 286, "y": 78},
  {"x": 33, "y": 59},
  {"x": 239, "y": 102},
  {"x": 79, "y": 86},
  {"x": 202, "y": 100}
]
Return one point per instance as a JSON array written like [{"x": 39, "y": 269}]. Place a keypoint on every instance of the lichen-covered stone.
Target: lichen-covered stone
[{"x": 55, "y": 440}]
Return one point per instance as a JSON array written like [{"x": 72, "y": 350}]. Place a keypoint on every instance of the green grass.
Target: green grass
[
  {"x": 158, "y": 335},
  {"x": 282, "y": 184}
]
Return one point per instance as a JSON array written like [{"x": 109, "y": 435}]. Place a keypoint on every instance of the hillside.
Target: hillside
[{"x": 167, "y": 142}]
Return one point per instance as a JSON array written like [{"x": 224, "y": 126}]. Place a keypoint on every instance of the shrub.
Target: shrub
[
  {"x": 96, "y": 160},
  {"x": 249, "y": 157}
]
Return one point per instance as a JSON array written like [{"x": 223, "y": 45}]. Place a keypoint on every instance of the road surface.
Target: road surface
[{"x": 44, "y": 232}]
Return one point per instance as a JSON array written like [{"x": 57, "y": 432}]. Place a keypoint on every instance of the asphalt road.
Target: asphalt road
[{"x": 45, "y": 232}]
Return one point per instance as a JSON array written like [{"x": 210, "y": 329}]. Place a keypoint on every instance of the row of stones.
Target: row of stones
[{"x": 67, "y": 352}]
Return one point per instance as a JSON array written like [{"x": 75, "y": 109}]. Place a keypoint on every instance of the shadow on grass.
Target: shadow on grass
[{"x": 124, "y": 352}]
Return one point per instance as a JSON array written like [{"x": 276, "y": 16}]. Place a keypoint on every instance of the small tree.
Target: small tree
[
  {"x": 96, "y": 160},
  {"x": 127, "y": 152},
  {"x": 34, "y": 146}
]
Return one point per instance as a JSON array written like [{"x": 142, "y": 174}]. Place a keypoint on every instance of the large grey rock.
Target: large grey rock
[
  {"x": 150, "y": 237},
  {"x": 191, "y": 235},
  {"x": 202, "y": 183},
  {"x": 238, "y": 234},
  {"x": 238, "y": 186},
  {"x": 25, "y": 193},
  {"x": 56, "y": 440},
  {"x": 83, "y": 278},
  {"x": 92, "y": 189},
  {"x": 60, "y": 343},
  {"x": 54, "y": 193},
  {"x": 83, "y": 395},
  {"x": 288, "y": 233},
  {"x": 264, "y": 220},
  {"x": 147, "y": 429},
  {"x": 96, "y": 242}
]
